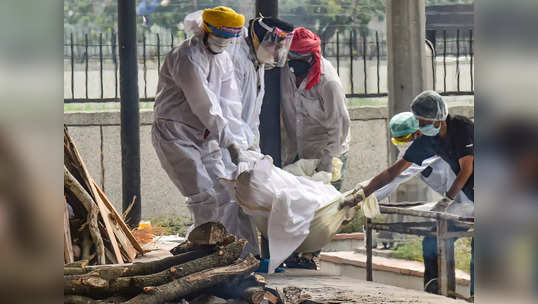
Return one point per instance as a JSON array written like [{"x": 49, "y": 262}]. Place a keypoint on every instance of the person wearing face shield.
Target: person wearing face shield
[
  {"x": 197, "y": 126},
  {"x": 451, "y": 137},
  {"x": 313, "y": 105},
  {"x": 264, "y": 44}
]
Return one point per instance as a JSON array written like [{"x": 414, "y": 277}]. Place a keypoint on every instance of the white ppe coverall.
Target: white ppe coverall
[
  {"x": 316, "y": 121},
  {"x": 440, "y": 179},
  {"x": 196, "y": 114},
  {"x": 249, "y": 75}
]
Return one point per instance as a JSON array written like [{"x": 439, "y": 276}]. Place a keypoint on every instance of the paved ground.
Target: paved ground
[
  {"x": 339, "y": 289},
  {"x": 325, "y": 288}
]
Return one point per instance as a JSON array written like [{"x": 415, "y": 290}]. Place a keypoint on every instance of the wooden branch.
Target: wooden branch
[
  {"x": 71, "y": 183},
  {"x": 68, "y": 246},
  {"x": 210, "y": 233},
  {"x": 195, "y": 282},
  {"x": 120, "y": 220},
  {"x": 89, "y": 182}
]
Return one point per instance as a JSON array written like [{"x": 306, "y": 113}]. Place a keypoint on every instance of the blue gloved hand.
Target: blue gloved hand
[{"x": 264, "y": 267}]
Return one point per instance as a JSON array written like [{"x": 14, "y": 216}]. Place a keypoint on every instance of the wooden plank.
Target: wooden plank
[
  {"x": 119, "y": 220},
  {"x": 68, "y": 246},
  {"x": 105, "y": 213},
  {"x": 126, "y": 244}
]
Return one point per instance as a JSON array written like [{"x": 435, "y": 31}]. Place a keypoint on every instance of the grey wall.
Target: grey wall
[{"x": 97, "y": 136}]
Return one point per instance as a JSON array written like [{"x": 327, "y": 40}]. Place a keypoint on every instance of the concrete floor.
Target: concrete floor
[{"x": 326, "y": 288}]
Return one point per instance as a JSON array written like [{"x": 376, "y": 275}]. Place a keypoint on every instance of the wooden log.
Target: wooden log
[
  {"x": 76, "y": 299},
  {"x": 136, "y": 268},
  {"x": 188, "y": 246},
  {"x": 237, "y": 287},
  {"x": 135, "y": 284},
  {"x": 74, "y": 271},
  {"x": 80, "y": 264},
  {"x": 68, "y": 245},
  {"x": 195, "y": 282},
  {"x": 72, "y": 184},
  {"x": 253, "y": 295},
  {"x": 211, "y": 233}
]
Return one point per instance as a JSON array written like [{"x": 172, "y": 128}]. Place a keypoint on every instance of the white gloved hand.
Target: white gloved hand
[
  {"x": 325, "y": 164},
  {"x": 234, "y": 153},
  {"x": 442, "y": 204}
]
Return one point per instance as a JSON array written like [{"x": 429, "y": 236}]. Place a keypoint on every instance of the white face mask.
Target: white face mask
[{"x": 217, "y": 44}]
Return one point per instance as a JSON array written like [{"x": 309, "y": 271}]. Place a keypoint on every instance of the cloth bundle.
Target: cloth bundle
[{"x": 293, "y": 212}]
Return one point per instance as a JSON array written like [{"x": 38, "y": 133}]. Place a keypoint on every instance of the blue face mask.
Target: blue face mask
[{"x": 430, "y": 130}]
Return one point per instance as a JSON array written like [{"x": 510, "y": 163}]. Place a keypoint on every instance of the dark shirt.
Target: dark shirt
[{"x": 459, "y": 142}]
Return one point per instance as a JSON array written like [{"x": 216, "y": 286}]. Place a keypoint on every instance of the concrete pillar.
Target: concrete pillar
[{"x": 406, "y": 22}]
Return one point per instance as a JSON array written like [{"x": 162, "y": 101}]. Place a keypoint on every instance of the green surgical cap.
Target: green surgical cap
[{"x": 403, "y": 124}]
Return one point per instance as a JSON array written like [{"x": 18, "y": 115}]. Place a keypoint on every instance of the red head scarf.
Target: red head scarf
[{"x": 304, "y": 41}]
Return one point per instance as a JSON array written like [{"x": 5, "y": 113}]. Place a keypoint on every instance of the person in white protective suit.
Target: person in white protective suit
[
  {"x": 315, "y": 117},
  {"x": 197, "y": 131},
  {"x": 264, "y": 44},
  {"x": 313, "y": 105}
]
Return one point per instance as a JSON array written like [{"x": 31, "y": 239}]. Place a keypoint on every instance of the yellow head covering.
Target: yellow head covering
[{"x": 223, "y": 19}]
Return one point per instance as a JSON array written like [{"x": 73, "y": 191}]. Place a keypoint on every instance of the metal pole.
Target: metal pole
[
  {"x": 130, "y": 134},
  {"x": 369, "y": 272},
  {"x": 268, "y": 8},
  {"x": 270, "y": 111}
]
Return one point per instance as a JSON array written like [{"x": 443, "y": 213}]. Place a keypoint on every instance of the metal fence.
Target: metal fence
[{"x": 91, "y": 64}]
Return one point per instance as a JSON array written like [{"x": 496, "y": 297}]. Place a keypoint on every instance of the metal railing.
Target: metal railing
[{"x": 91, "y": 64}]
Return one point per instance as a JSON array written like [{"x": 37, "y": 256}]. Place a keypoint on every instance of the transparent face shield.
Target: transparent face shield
[{"x": 273, "y": 49}]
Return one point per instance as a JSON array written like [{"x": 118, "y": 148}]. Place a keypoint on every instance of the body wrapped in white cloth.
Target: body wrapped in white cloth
[{"x": 293, "y": 212}]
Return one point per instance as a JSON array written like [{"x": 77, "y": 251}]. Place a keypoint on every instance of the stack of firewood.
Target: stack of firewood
[
  {"x": 93, "y": 229},
  {"x": 207, "y": 265}
]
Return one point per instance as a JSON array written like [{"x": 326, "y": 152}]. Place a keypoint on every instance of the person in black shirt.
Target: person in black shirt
[{"x": 452, "y": 138}]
